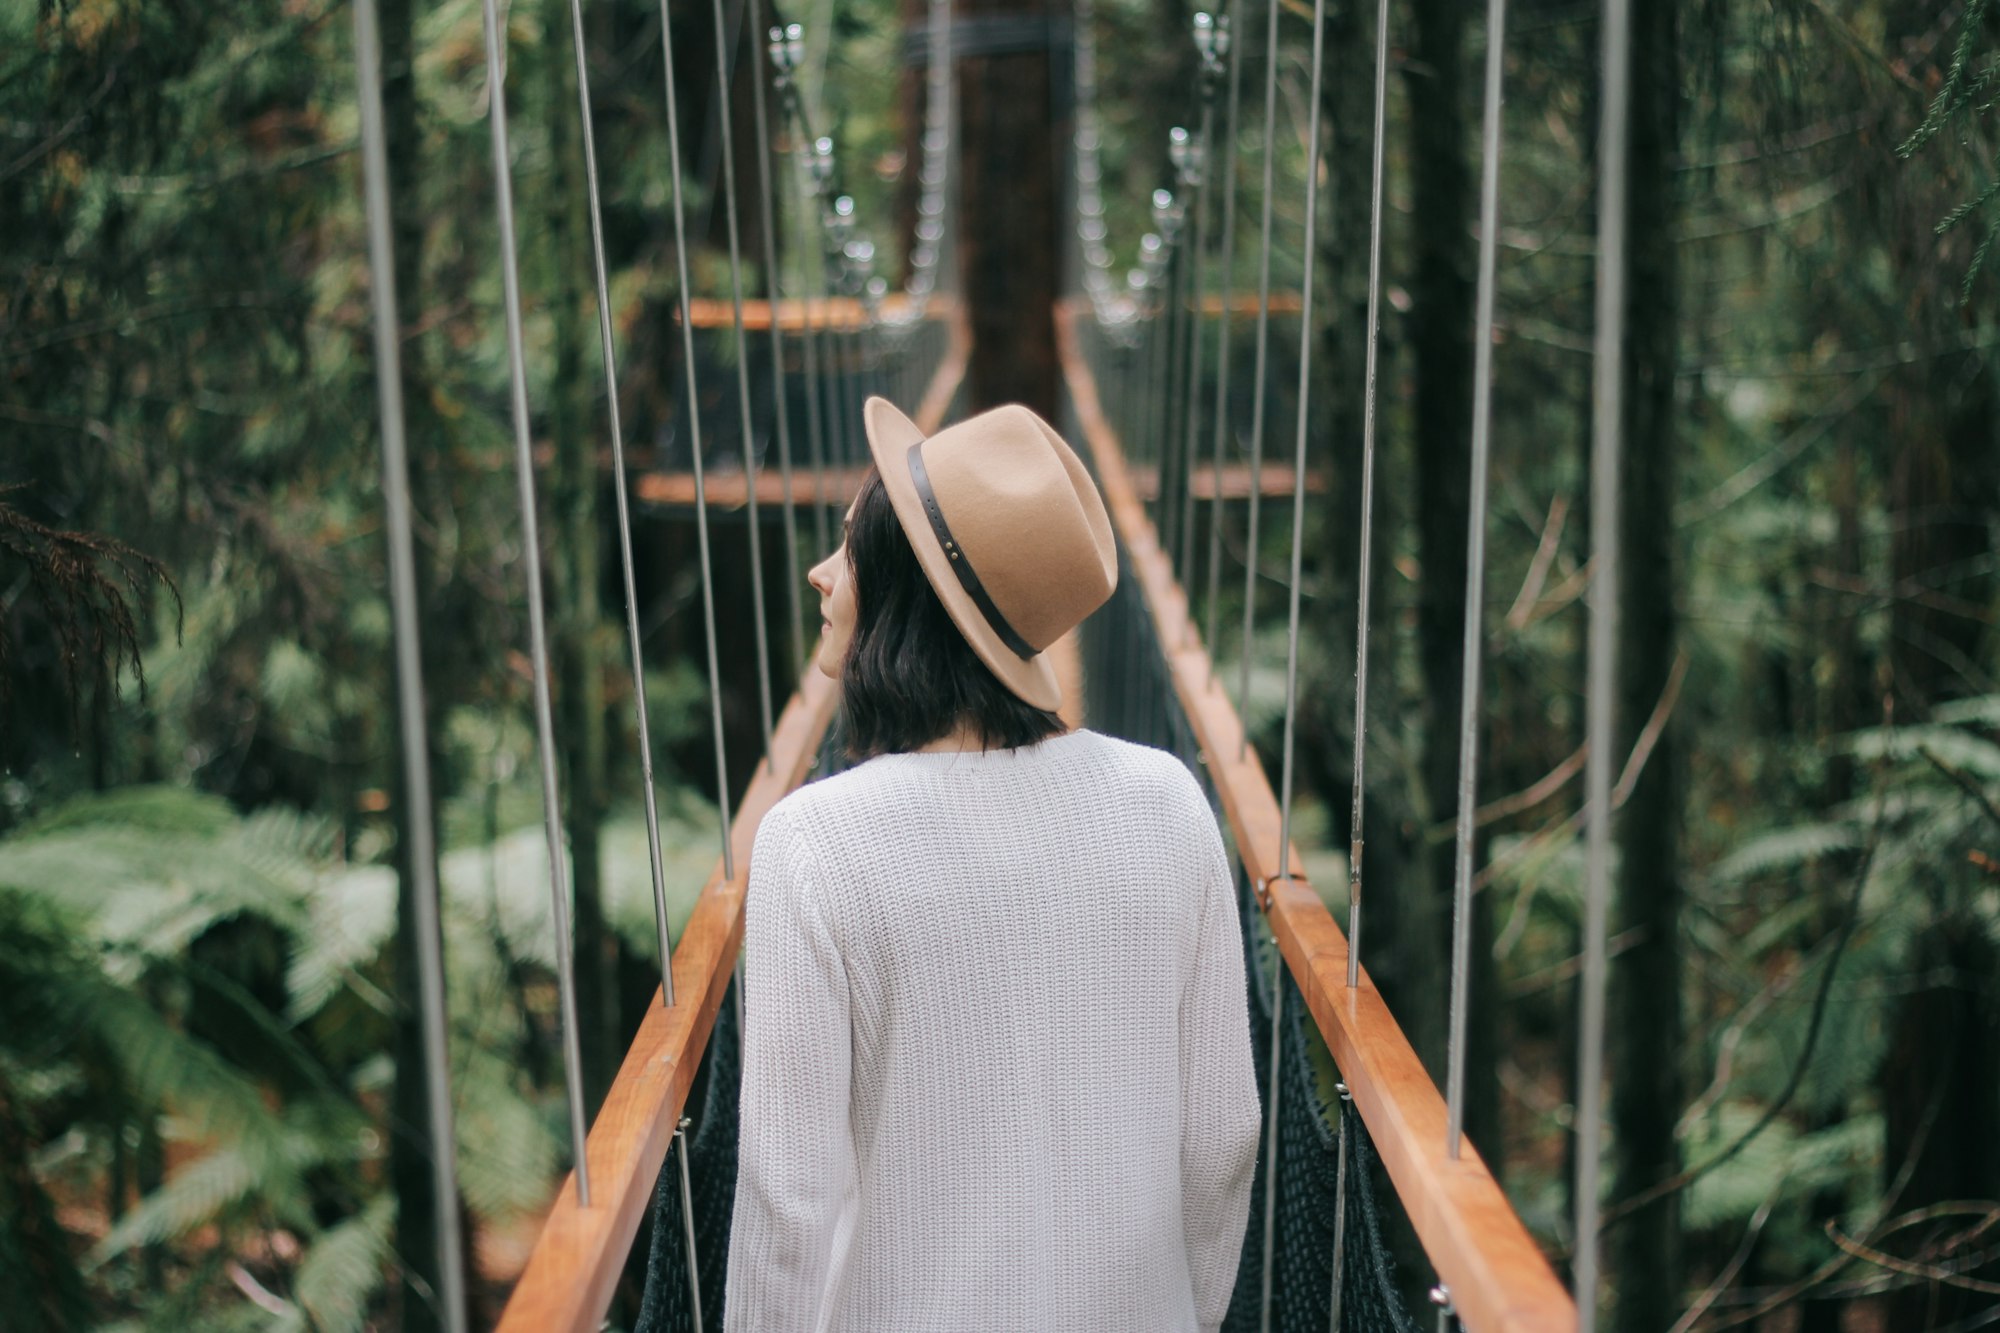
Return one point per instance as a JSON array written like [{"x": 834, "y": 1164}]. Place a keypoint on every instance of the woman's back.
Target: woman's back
[{"x": 997, "y": 1066}]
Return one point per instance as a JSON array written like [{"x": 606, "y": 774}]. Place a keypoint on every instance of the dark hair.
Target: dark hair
[{"x": 910, "y": 677}]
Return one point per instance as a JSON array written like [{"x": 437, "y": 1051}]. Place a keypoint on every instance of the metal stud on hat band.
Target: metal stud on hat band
[{"x": 960, "y": 565}]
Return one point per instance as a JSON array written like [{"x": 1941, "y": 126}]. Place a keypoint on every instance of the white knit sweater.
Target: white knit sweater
[{"x": 996, "y": 1064}]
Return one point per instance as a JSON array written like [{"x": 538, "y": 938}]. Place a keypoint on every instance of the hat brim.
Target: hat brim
[{"x": 890, "y": 435}]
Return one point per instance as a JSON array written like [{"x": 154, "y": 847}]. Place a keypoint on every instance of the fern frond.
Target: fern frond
[
  {"x": 1785, "y": 849},
  {"x": 195, "y": 1195},
  {"x": 1980, "y": 711},
  {"x": 1959, "y": 748},
  {"x": 345, "y": 1267}
]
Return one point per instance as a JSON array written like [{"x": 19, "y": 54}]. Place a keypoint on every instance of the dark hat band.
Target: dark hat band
[{"x": 960, "y": 565}]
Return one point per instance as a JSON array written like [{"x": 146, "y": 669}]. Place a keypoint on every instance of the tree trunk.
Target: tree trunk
[
  {"x": 1645, "y": 1037},
  {"x": 1011, "y": 237},
  {"x": 1941, "y": 1103},
  {"x": 1440, "y": 328},
  {"x": 411, "y": 1138},
  {"x": 574, "y": 564}
]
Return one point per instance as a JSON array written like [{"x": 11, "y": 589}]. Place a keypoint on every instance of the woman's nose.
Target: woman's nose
[{"x": 821, "y": 579}]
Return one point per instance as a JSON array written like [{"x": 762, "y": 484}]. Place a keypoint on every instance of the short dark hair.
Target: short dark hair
[{"x": 910, "y": 676}]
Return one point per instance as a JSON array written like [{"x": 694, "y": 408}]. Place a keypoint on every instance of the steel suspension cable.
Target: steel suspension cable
[
  {"x": 1339, "y": 1261},
  {"x": 694, "y": 430},
  {"x": 1475, "y": 581},
  {"x": 1607, "y": 447},
  {"x": 1152, "y": 405},
  {"x": 1258, "y": 368},
  {"x": 728, "y": 146},
  {"x": 1233, "y": 107},
  {"x": 815, "y": 422},
  {"x": 421, "y": 859},
  {"x": 531, "y": 558},
  {"x": 604, "y": 334},
  {"x": 1170, "y": 402},
  {"x": 794, "y": 604},
  {"x": 1354, "y": 839},
  {"x": 1267, "y": 1280},
  {"x": 1311, "y": 249},
  {"x": 1299, "y": 444},
  {"x": 840, "y": 386},
  {"x": 1195, "y": 174}
]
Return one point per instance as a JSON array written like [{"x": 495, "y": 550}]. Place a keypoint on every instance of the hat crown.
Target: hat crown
[
  {"x": 1009, "y": 529},
  {"x": 1026, "y": 516}
]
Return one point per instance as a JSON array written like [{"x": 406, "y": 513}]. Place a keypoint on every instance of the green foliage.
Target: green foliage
[
  {"x": 107, "y": 902},
  {"x": 1967, "y": 94}
]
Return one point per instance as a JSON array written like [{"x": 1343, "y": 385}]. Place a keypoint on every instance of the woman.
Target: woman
[{"x": 997, "y": 1069}]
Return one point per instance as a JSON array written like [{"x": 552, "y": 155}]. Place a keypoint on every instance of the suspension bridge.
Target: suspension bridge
[{"x": 1146, "y": 372}]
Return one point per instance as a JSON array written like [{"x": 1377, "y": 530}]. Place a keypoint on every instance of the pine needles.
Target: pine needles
[
  {"x": 1969, "y": 85},
  {"x": 85, "y": 584}
]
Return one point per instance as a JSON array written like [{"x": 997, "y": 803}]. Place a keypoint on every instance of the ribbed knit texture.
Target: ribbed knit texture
[{"x": 996, "y": 1068}]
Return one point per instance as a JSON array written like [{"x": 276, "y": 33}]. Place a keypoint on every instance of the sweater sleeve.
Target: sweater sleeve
[
  {"x": 1220, "y": 1116},
  {"x": 796, "y": 1173}
]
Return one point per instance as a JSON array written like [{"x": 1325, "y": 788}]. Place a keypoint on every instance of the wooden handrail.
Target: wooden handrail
[
  {"x": 843, "y": 313},
  {"x": 1498, "y": 1278},
  {"x": 729, "y": 490},
  {"x": 573, "y": 1271}
]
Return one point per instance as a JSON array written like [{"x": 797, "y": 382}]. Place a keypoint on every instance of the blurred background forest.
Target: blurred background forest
[{"x": 207, "y": 1047}]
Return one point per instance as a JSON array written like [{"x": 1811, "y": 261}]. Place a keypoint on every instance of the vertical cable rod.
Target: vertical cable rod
[
  {"x": 1170, "y": 402},
  {"x": 1475, "y": 581},
  {"x": 1197, "y": 177},
  {"x": 1230, "y": 24},
  {"x": 687, "y": 1216},
  {"x": 1343, "y": 1145},
  {"x": 815, "y": 419},
  {"x": 1299, "y": 449},
  {"x": 1258, "y": 367},
  {"x": 1354, "y": 828},
  {"x": 1266, "y": 1281},
  {"x": 604, "y": 335},
  {"x": 1162, "y": 352},
  {"x": 694, "y": 428},
  {"x": 1607, "y": 447},
  {"x": 728, "y": 146},
  {"x": 422, "y": 852},
  {"x": 531, "y": 557},
  {"x": 794, "y": 604}
]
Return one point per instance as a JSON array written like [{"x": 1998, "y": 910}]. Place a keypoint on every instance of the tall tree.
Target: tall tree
[
  {"x": 1440, "y": 327},
  {"x": 1940, "y": 1099},
  {"x": 574, "y": 555},
  {"x": 1644, "y": 1045},
  {"x": 412, "y": 1138},
  {"x": 1011, "y": 237}
]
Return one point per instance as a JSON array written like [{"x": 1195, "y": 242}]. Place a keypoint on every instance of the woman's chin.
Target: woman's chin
[{"x": 831, "y": 672}]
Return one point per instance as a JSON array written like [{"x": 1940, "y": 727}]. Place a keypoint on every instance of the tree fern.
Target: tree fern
[{"x": 342, "y": 1271}]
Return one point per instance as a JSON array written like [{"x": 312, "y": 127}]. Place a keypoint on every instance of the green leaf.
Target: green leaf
[
  {"x": 345, "y": 1267},
  {"x": 1785, "y": 849}
]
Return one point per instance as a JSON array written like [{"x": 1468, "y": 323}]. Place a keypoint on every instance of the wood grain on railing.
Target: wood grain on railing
[
  {"x": 1498, "y": 1278},
  {"x": 730, "y": 490},
  {"x": 573, "y": 1271}
]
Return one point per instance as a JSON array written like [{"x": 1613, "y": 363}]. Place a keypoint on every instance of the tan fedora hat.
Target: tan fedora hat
[{"x": 1008, "y": 527}]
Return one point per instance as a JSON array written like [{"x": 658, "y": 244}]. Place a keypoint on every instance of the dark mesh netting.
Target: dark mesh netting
[
  {"x": 667, "y": 1305},
  {"x": 1309, "y": 1189}
]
